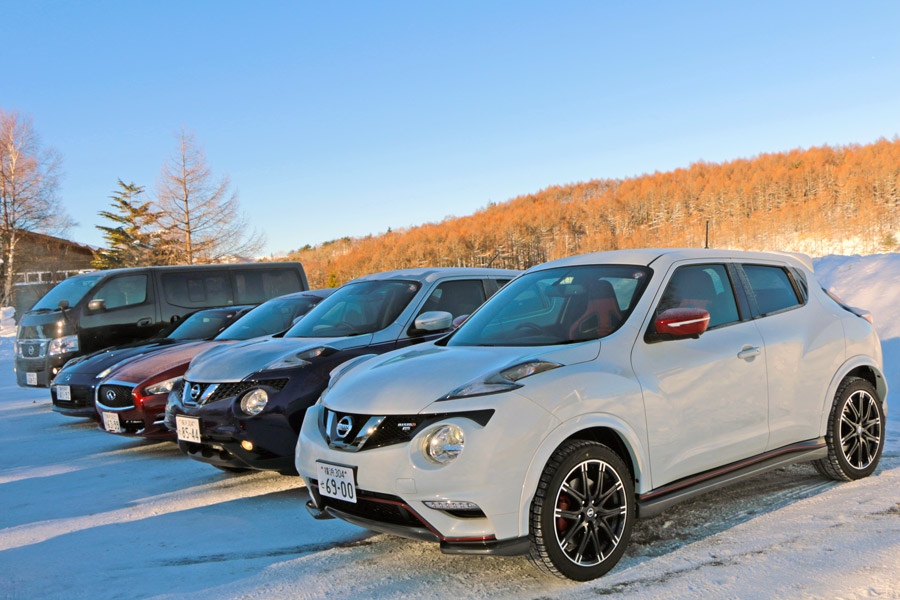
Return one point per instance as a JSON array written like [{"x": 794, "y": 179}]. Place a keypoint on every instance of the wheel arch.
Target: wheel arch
[
  {"x": 605, "y": 429},
  {"x": 858, "y": 366}
]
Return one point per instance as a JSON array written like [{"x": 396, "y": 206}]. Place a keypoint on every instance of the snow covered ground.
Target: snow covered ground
[{"x": 89, "y": 515}]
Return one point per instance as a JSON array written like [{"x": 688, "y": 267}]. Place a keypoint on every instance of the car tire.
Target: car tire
[
  {"x": 855, "y": 435},
  {"x": 604, "y": 515}
]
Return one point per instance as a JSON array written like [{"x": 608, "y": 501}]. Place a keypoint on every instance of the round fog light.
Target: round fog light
[
  {"x": 254, "y": 401},
  {"x": 247, "y": 445},
  {"x": 444, "y": 444}
]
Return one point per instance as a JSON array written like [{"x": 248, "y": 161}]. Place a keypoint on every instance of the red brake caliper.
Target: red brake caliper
[{"x": 564, "y": 503}]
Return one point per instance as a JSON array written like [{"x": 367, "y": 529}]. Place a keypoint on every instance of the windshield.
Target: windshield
[
  {"x": 203, "y": 325},
  {"x": 357, "y": 308},
  {"x": 270, "y": 318},
  {"x": 556, "y": 306},
  {"x": 71, "y": 290}
]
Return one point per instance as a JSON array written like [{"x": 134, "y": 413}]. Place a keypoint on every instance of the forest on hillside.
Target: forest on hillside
[{"x": 843, "y": 199}]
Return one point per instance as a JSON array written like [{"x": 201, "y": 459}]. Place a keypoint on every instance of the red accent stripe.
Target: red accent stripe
[
  {"x": 488, "y": 538},
  {"x": 733, "y": 467}
]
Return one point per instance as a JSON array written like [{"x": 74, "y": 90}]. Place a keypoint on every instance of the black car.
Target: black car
[
  {"x": 241, "y": 406},
  {"x": 72, "y": 390},
  {"x": 98, "y": 310}
]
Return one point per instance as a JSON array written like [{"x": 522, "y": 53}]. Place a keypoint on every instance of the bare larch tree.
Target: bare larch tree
[
  {"x": 29, "y": 175},
  {"x": 200, "y": 211}
]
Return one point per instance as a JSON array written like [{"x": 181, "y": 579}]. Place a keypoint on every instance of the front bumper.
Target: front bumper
[
  {"x": 224, "y": 428},
  {"x": 394, "y": 481},
  {"x": 82, "y": 389},
  {"x": 146, "y": 420},
  {"x": 44, "y": 368}
]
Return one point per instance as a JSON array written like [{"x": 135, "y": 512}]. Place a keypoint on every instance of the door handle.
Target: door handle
[
  {"x": 144, "y": 322},
  {"x": 749, "y": 352}
]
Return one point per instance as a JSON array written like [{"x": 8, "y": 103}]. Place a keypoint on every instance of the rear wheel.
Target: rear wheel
[
  {"x": 582, "y": 512},
  {"x": 855, "y": 433}
]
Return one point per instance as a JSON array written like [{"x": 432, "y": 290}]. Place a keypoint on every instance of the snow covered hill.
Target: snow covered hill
[{"x": 90, "y": 515}]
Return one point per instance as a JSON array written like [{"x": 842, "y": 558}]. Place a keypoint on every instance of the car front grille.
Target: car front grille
[
  {"x": 367, "y": 432},
  {"x": 115, "y": 396},
  {"x": 229, "y": 390},
  {"x": 207, "y": 393},
  {"x": 32, "y": 348}
]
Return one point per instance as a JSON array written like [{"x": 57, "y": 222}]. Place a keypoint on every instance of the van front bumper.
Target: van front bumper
[{"x": 44, "y": 369}]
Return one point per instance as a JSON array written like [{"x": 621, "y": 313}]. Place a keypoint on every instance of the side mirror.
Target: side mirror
[
  {"x": 459, "y": 321},
  {"x": 63, "y": 304},
  {"x": 435, "y": 320},
  {"x": 98, "y": 305},
  {"x": 682, "y": 322}
]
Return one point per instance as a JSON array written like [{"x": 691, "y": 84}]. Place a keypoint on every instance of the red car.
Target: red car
[{"x": 131, "y": 400}]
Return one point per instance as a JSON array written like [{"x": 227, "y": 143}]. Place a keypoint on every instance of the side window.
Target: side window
[
  {"x": 702, "y": 286},
  {"x": 123, "y": 291},
  {"x": 800, "y": 279},
  {"x": 456, "y": 297},
  {"x": 772, "y": 288},
  {"x": 253, "y": 286},
  {"x": 197, "y": 289}
]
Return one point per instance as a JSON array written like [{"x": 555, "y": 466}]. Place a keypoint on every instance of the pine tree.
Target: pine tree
[{"x": 136, "y": 238}]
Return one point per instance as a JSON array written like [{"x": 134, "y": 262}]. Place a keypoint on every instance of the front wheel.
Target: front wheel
[
  {"x": 582, "y": 512},
  {"x": 855, "y": 435}
]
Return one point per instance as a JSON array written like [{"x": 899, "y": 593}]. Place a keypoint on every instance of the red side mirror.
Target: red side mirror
[{"x": 682, "y": 322}]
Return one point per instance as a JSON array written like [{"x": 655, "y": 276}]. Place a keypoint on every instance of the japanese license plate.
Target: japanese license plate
[
  {"x": 63, "y": 392},
  {"x": 188, "y": 428},
  {"x": 336, "y": 482},
  {"x": 31, "y": 378},
  {"x": 111, "y": 422}
]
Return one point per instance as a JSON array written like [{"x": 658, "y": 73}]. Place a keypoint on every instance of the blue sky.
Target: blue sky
[{"x": 336, "y": 119}]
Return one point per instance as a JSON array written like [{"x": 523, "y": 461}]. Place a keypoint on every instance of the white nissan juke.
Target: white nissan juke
[{"x": 594, "y": 390}]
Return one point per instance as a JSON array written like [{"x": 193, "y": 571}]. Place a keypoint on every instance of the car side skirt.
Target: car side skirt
[{"x": 656, "y": 501}]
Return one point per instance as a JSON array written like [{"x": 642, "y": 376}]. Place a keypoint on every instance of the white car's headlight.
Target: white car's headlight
[
  {"x": 502, "y": 381},
  {"x": 443, "y": 444},
  {"x": 61, "y": 345},
  {"x": 254, "y": 401},
  {"x": 163, "y": 387},
  {"x": 300, "y": 359}
]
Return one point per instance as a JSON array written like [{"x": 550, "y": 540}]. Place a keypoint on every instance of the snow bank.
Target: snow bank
[{"x": 7, "y": 323}]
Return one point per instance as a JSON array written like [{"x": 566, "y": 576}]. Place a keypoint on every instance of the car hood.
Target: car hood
[
  {"x": 235, "y": 362},
  {"x": 407, "y": 381},
  {"x": 144, "y": 367},
  {"x": 99, "y": 361}
]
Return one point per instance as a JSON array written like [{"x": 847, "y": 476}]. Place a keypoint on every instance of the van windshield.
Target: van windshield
[
  {"x": 556, "y": 306},
  {"x": 357, "y": 308},
  {"x": 270, "y": 318},
  {"x": 72, "y": 290}
]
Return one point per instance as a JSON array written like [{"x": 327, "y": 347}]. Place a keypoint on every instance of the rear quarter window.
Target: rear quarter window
[
  {"x": 253, "y": 286},
  {"x": 772, "y": 288},
  {"x": 197, "y": 289}
]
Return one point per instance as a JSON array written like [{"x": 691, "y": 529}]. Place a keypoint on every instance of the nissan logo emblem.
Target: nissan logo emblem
[
  {"x": 195, "y": 391},
  {"x": 110, "y": 395},
  {"x": 343, "y": 426}
]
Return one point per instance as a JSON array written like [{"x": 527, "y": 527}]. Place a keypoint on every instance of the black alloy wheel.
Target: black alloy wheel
[
  {"x": 582, "y": 513},
  {"x": 855, "y": 433}
]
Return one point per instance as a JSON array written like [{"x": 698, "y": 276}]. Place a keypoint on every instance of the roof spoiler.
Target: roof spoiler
[{"x": 804, "y": 259}]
